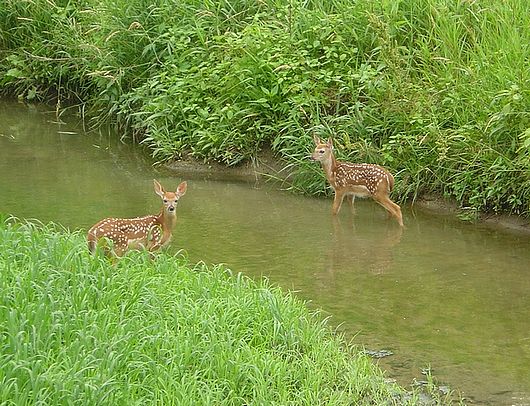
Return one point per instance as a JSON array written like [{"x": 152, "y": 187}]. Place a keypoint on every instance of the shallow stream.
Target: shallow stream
[{"x": 441, "y": 293}]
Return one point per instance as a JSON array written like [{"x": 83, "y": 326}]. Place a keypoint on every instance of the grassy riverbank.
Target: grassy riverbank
[
  {"x": 77, "y": 329},
  {"x": 436, "y": 90}
]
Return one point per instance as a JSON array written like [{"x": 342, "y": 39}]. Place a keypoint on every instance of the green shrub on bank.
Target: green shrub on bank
[
  {"x": 77, "y": 329},
  {"x": 436, "y": 90}
]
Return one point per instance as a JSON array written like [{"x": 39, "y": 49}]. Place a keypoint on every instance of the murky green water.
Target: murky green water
[{"x": 441, "y": 293}]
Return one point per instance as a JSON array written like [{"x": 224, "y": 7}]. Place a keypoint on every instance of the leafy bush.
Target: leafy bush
[{"x": 436, "y": 90}]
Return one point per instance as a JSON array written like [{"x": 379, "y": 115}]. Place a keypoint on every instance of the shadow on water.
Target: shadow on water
[{"x": 440, "y": 293}]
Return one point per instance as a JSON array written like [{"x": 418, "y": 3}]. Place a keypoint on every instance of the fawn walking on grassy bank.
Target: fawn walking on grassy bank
[
  {"x": 350, "y": 180},
  {"x": 150, "y": 232}
]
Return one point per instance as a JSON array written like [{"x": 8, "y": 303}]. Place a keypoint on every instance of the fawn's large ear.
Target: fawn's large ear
[
  {"x": 316, "y": 139},
  {"x": 330, "y": 142},
  {"x": 159, "y": 190},
  {"x": 181, "y": 189}
]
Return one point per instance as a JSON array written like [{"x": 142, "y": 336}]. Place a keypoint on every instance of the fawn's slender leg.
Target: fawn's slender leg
[
  {"x": 351, "y": 200},
  {"x": 390, "y": 206},
  {"x": 337, "y": 201},
  {"x": 397, "y": 211}
]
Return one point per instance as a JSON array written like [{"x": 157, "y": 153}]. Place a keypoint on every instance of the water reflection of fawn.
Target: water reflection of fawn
[
  {"x": 350, "y": 180},
  {"x": 367, "y": 251},
  {"x": 149, "y": 232},
  {"x": 354, "y": 252}
]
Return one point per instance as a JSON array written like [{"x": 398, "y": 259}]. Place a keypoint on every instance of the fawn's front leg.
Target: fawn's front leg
[
  {"x": 337, "y": 201},
  {"x": 351, "y": 199}
]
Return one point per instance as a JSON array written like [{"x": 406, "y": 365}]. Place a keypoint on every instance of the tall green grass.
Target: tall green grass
[
  {"x": 79, "y": 329},
  {"x": 436, "y": 90}
]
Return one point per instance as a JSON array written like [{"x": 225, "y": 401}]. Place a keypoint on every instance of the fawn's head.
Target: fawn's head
[
  {"x": 323, "y": 150},
  {"x": 170, "y": 199}
]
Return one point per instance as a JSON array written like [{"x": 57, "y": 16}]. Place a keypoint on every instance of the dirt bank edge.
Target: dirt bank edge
[{"x": 266, "y": 166}]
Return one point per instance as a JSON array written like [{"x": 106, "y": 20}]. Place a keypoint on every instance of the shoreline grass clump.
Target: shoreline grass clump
[
  {"x": 79, "y": 329},
  {"x": 437, "y": 91}
]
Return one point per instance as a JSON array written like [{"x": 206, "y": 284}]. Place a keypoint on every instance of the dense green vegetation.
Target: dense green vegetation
[
  {"x": 78, "y": 329},
  {"x": 436, "y": 90}
]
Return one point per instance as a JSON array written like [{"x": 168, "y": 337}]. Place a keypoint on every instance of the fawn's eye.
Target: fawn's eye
[
  {"x": 165, "y": 200},
  {"x": 321, "y": 151}
]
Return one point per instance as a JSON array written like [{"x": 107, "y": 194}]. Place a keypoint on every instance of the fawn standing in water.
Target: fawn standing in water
[
  {"x": 350, "y": 180},
  {"x": 149, "y": 232}
]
